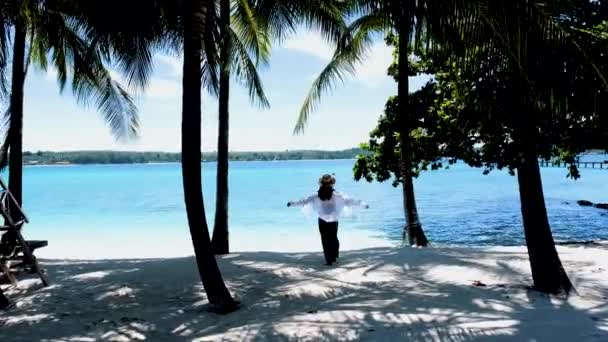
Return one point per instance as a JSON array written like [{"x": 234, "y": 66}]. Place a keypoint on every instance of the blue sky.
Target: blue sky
[{"x": 344, "y": 118}]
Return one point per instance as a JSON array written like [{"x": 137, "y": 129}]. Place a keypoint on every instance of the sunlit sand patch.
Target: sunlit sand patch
[
  {"x": 27, "y": 319},
  {"x": 122, "y": 291},
  {"x": 92, "y": 275},
  {"x": 319, "y": 289}
]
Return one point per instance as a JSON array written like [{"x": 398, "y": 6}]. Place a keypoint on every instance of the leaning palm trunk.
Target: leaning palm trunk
[
  {"x": 217, "y": 293},
  {"x": 548, "y": 274},
  {"x": 15, "y": 135},
  {"x": 547, "y": 271},
  {"x": 413, "y": 228},
  {"x": 220, "y": 242}
]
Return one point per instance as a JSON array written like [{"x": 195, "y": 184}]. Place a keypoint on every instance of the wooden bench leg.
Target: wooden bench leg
[
  {"x": 28, "y": 256},
  {"x": 4, "y": 302},
  {"x": 41, "y": 274},
  {"x": 7, "y": 272}
]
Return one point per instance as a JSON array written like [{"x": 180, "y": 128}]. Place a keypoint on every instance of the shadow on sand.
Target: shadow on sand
[{"x": 387, "y": 294}]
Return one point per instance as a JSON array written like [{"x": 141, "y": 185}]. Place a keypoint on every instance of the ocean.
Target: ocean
[{"x": 125, "y": 211}]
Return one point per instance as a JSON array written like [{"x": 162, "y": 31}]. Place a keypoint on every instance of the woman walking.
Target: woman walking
[{"x": 328, "y": 204}]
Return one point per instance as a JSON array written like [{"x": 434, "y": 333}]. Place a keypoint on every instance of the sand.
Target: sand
[{"x": 374, "y": 294}]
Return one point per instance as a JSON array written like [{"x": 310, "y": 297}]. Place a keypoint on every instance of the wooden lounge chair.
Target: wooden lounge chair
[{"x": 16, "y": 254}]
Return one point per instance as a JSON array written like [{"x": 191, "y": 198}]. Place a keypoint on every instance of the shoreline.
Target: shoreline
[
  {"x": 163, "y": 247},
  {"x": 314, "y": 248}
]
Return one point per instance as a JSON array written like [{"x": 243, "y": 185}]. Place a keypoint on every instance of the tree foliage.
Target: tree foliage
[
  {"x": 55, "y": 40},
  {"x": 434, "y": 141},
  {"x": 558, "y": 75}
]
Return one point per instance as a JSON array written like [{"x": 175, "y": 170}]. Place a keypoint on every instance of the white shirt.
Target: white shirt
[{"x": 329, "y": 210}]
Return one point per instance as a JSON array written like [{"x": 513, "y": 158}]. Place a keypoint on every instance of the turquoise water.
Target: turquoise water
[{"x": 83, "y": 210}]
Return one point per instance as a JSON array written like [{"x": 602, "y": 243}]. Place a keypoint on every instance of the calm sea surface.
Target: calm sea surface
[{"x": 109, "y": 209}]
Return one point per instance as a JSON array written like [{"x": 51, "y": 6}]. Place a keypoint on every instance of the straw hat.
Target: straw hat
[{"x": 327, "y": 179}]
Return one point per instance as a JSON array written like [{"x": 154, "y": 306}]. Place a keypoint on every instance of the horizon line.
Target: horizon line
[{"x": 177, "y": 152}]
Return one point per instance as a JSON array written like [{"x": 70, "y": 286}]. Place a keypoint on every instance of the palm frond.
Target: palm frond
[
  {"x": 351, "y": 50},
  {"x": 91, "y": 82},
  {"x": 278, "y": 18},
  {"x": 126, "y": 34},
  {"x": 137, "y": 63},
  {"x": 245, "y": 71},
  {"x": 325, "y": 16},
  {"x": 4, "y": 53},
  {"x": 211, "y": 62},
  {"x": 281, "y": 18},
  {"x": 210, "y": 77},
  {"x": 528, "y": 37},
  {"x": 250, "y": 31}
]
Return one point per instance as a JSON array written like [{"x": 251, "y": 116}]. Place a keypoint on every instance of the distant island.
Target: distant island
[
  {"x": 119, "y": 157},
  {"x": 122, "y": 157}
]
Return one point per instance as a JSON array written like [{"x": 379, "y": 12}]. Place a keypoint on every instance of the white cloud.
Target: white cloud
[
  {"x": 162, "y": 89},
  {"x": 311, "y": 43},
  {"x": 157, "y": 89},
  {"x": 51, "y": 74},
  {"x": 116, "y": 76},
  {"x": 174, "y": 64},
  {"x": 371, "y": 72}
]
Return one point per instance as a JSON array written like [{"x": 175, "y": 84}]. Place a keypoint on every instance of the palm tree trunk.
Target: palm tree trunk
[
  {"x": 217, "y": 293},
  {"x": 548, "y": 273},
  {"x": 413, "y": 228},
  {"x": 15, "y": 135},
  {"x": 220, "y": 242}
]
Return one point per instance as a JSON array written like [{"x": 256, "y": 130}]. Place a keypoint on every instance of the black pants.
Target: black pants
[{"x": 329, "y": 239}]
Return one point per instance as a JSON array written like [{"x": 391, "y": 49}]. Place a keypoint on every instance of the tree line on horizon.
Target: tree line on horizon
[
  {"x": 129, "y": 157},
  {"x": 362, "y": 154},
  {"x": 522, "y": 79}
]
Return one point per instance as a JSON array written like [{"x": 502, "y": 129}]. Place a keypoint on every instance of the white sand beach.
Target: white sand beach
[
  {"x": 180, "y": 245},
  {"x": 375, "y": 294}
]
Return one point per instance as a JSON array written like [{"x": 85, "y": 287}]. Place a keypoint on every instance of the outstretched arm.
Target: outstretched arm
[
  {"x": 351, "y": 202},
  {"x": 301, "y": 202}
]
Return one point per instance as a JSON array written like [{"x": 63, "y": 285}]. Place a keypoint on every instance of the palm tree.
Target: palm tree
[
  {"x": 413, "y": 22},
  {"x": 235, "y": 46},
  {"x": 549, "y": 74},
  {"x": 254, "y": 24},
  {"x": 50, "y": 32},
  {"x": 45, "y": 30},
  {"x": 199, "y": 29},
  {"x": 189, "y": 27},
  {"x": 202, "y": 35}
]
